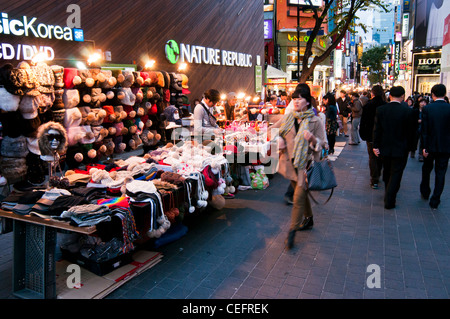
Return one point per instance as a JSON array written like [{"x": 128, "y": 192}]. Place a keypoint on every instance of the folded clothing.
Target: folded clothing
[{"x": 27, "y": 201}]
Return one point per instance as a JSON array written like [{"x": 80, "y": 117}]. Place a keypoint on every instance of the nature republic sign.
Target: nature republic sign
[{"x": 202, "y": 55}]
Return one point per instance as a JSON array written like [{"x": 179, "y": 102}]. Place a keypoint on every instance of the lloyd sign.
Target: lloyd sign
[{"x": 201, "y": 55}]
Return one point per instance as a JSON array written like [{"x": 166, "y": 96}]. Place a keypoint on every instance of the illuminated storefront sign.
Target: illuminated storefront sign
[
  {"x": 293, "y": 38},
  {"x": 24, "y": 51},
  {"x": 28, "y": 27},
  {"x": 201, "y": 55}
]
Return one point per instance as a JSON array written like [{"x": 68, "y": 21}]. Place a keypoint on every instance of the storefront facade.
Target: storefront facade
[{"x": 225, "y": 45}]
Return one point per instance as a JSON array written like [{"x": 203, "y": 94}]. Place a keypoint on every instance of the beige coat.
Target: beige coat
[{"x": 285, "y": 166}]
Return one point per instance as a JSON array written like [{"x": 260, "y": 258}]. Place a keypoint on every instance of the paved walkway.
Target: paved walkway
[{"x": 239, "y": 252}]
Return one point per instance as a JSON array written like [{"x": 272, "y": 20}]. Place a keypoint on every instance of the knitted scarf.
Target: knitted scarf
[{"x": 301, "y": 145}]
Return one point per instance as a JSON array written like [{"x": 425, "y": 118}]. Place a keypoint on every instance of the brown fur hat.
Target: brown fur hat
[{"x": 44, "y": 143}]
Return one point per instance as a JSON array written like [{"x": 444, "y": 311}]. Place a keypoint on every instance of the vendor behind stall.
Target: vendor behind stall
[
  {"x": 205, "y": 124},
  {"x": 230, "y": 104}
]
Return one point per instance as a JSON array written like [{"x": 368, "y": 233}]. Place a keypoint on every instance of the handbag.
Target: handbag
[{"x": 319, "y": 176}]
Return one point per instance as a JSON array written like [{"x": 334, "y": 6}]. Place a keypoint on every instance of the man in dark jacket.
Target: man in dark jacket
[
  {"x": 436, "y": 144},
  {"x": 392, "y": 140},
  {"x": 366, "y": 132},
  {"x": 344, "y": 109}
]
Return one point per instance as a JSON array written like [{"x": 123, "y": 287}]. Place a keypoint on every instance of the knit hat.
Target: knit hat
[
  {"x": 135, "y": 187},
  {"x": 58, "y": 115},
  {"x": 8, "y": 102},
  {"x": 49, "y": 197},
  {"x": 14, "y": 147},
  {"x": 29, "y": 106},
  {"x": 68, "y": 77},
  {"x": 58, "y": 72},
  {"x": 71, "y": 98},
  {"x": 45, "y": 77}
]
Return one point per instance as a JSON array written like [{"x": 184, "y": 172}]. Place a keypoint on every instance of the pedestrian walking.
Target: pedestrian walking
[
  {"x": 436, "y": 144},
  {"x": 331, "y": 124},
  {"x": 393, "y": 135},
  {"x": 356, "y": 109},
  {"x": 304, "y": 139},
  {"x": 344, "y": 110},
  {"x": 366, "y": 126}
]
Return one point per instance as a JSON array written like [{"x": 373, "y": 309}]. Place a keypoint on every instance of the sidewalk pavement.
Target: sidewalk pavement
[{"x": 238, "y": 252}]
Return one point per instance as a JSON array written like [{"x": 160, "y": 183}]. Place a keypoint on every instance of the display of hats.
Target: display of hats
[{"x": 14, "y": 146}]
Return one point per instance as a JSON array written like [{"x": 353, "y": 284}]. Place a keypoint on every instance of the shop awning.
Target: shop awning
[{"x": 274, "y": 73}]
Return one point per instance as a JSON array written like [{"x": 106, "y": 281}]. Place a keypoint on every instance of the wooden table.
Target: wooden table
[{"x": 34, "y": 254}]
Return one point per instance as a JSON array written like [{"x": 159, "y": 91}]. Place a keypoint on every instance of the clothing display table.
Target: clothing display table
[{"x": 34, "y": 254}]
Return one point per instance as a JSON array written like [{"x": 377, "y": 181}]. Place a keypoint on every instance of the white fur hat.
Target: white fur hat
[
  {"x": 71, "y": 98},
  {"x": 8, "y": 102},
  {"x": 72, "y": 117}
]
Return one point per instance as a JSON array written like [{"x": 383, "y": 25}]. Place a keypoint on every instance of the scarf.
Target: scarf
[{"x": 301, "y": 145}]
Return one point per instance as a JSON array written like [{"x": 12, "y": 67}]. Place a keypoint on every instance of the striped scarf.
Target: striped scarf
[{"x": 301, "y": 145}]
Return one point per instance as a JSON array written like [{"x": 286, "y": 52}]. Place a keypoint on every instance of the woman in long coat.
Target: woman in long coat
[{"x": 303, "y": 137}]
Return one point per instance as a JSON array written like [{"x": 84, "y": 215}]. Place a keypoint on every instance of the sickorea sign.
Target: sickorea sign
[
  {"x": 201, "y": 55},
  {"x": 31, "y": 27}
]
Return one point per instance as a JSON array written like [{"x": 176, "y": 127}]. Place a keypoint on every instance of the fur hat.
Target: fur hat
[
  {"x": 28, "y": 106},
  {"x": 14, "y": 147},
  {"x": 45, "y": 77},
  {"x": 126, "y": 96},
  {"x": 13, "y": 168},
  {"x": 44, "y": 143},
  {"x": 8, "y": 102},
  {"x": 72, "y": 117},
  {"x": 71, "y": 98}
]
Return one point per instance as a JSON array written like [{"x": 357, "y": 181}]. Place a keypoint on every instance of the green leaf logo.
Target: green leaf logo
[{"x": 172, "y": 51}]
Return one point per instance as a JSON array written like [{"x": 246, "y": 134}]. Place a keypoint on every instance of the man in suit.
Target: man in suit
[
  {"x": 436, "y": 144},
  {"x": 392, "y": 141}
]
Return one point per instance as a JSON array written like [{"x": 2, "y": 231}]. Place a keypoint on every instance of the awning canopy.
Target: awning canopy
[{"x": 274, "y": 73}]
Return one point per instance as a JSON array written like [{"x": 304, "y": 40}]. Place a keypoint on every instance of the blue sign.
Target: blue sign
[
  {"x": 406, "y": 5},
  {"x": 78, "y": 35},
  {"x": 268, "y": 29}
]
